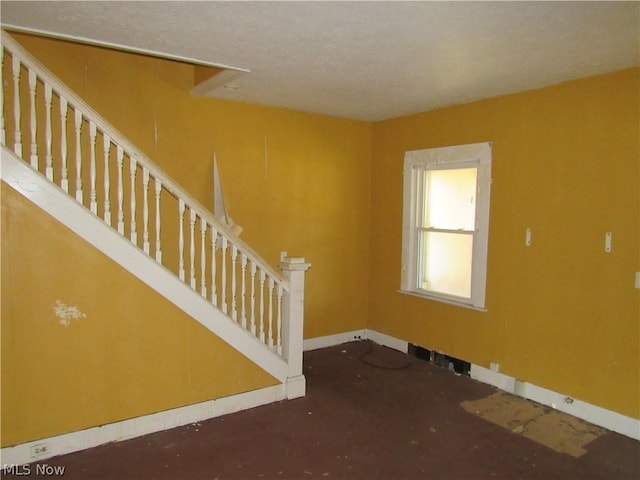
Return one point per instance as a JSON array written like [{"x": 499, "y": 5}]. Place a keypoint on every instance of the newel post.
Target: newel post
[{"x": 293, "y": 269}]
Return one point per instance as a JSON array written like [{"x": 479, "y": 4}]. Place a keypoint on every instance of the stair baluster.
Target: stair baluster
[
  {"x": 119, "y": 164},
  {"x": 234, "y": 259},
  {"x": 145, "y": 210},
  {"x": 93, "y": 197},
  {"x": 132, "y": 177},
  {"x": 48, "y": 97},
  {"x": 33, "y": 122},
  {"x": 106, "y": 149},
  {"x": 214, "y": 240},
  {"x": 17, "y": 142},
  {"x": 78, "y": 130},
  {"x": 223, "y": 275},
  {"x": 243, "y": 293},
  {"x": 158, "y": 185},
  {"x": 270, "y": 333},
  {"x": 192, "y": 248},
  {"x": 262, "y": 279},
  {"x": 253, "y": 298},
  {"x": 203, "y": 258},
  {"x": 279, "y": 321},
  {"x": 64, "y": 177}
]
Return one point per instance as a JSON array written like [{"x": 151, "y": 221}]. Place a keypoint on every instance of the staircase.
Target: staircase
[{"x": 63, "y": 156}]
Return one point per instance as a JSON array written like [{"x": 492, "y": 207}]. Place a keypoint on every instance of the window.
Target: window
[{"x": 446, "y": 223}]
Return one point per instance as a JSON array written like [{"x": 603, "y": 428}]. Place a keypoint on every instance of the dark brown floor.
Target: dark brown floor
[{"x": 356, "y": 422}]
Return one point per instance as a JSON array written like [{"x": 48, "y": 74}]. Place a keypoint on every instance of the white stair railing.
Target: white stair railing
[{"x": 144, "y": 205}]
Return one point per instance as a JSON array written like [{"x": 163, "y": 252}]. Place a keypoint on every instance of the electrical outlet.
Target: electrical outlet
[
  {"x": 39, "y": 449},
  {"x": 637, "y": 279}
]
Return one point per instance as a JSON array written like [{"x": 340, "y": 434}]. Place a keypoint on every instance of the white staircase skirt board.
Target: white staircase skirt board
[
  {"x": 602, "y": 417},
  {"x": 136, "y": 427},
  {"x": 66, "y": 210}
]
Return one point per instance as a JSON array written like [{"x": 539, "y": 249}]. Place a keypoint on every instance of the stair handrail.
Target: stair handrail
[{"x": 119, "y": 139}]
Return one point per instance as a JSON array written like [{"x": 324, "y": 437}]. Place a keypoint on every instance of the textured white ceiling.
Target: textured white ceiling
[{"x": 363, "y": 60}]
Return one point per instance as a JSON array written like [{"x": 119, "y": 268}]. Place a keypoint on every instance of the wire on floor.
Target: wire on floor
[{"x": 363, "y": 359}]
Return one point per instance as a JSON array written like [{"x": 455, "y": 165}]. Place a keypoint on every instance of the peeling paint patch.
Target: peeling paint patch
[{"x": 67, "y": 313}]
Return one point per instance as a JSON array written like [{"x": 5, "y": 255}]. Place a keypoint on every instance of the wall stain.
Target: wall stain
[{"x": 67, "y": 313}]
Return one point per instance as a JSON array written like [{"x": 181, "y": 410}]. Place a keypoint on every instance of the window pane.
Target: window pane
[
  {"x": 450, "y": 199},
  {"x": 444, "y": 262}
]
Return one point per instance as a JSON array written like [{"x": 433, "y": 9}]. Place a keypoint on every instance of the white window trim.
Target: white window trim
[{"x": 461, "y": 156}]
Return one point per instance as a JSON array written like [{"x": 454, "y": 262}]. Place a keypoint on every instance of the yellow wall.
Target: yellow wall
[
  {"x": 562, "y": 314},
  {"x": 130, "y": 352}
]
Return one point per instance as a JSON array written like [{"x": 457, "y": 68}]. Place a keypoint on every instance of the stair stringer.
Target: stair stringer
[{"x": 53, "y": 200}]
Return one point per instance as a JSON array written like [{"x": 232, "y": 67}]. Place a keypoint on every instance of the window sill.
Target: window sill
[{"x": 448, "y": 301}]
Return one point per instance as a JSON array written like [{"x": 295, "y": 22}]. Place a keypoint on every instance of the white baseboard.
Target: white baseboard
[
  {"x": 602, "y": 417},
  {"x": 388, "y": 341},
  {"x": 355, "y": 335},
  {"x": 484, "y": 375},
  {"x": 333, "y": 340},
  {"x": 136, "y": 427}
]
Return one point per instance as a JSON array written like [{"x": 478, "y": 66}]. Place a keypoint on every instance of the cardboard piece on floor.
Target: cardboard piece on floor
[{"x": 559, "y": 431}]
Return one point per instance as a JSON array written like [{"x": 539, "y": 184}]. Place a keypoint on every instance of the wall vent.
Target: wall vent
[{"x": 440, "y": 359}]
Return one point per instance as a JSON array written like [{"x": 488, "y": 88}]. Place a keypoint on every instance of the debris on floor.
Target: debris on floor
[{"x": 557, "y": 430}]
